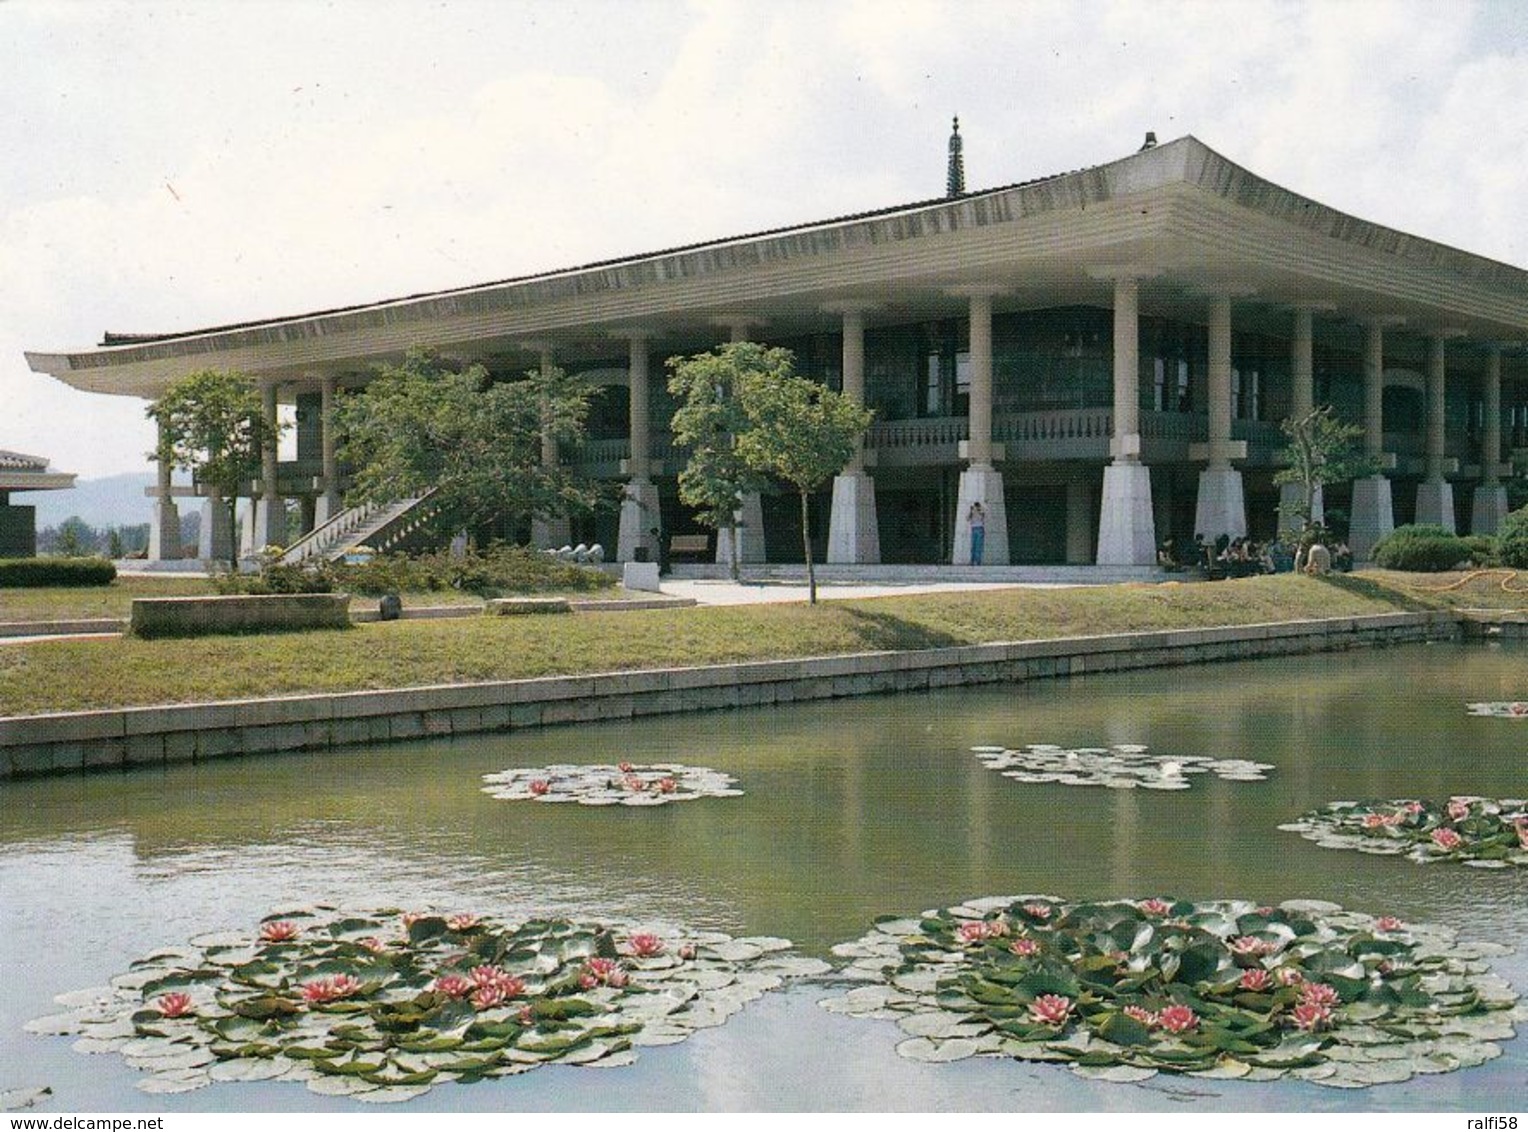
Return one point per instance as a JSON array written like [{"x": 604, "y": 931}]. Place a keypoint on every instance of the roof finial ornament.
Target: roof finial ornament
[{"x": 955, "y": 179}]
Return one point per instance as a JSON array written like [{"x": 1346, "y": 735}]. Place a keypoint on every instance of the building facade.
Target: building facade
[{"x": 1099, "y": 358}]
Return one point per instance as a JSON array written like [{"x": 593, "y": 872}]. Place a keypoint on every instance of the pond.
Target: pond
[{"x": 851, "y": 810}]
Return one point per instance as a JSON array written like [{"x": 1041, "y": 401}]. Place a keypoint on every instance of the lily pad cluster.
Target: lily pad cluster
[
  {"x": 383, "y": 1007},
  {"x": 1513, "y": 709},
  {"x": 1488, "y": 833},
  {"x": 622, "y": 784},
  {"x": 1125, "y": 989},
  {"x": 1124, "y": 766}
]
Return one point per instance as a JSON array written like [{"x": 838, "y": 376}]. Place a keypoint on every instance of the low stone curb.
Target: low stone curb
[{"x": 139, "y": 736}]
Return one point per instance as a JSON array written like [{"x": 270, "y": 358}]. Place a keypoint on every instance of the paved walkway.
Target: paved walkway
[{"x": 710, "y": 591}]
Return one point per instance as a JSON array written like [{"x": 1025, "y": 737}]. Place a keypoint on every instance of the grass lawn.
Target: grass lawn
[{"x": 71, "y": 675}]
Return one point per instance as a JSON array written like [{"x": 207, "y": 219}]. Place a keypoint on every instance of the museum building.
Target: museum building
[{"x": 1100, "y": 358}]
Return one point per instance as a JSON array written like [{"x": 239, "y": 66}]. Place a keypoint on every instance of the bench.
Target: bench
[{"x": 693, "y": 545}]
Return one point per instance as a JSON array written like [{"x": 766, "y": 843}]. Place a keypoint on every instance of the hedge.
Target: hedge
[
  {"x": 1424, "y": 547},
  {"x": 37, "y": 572}
]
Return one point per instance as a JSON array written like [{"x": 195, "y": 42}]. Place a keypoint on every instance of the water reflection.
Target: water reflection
[{"x": 853, "y": 809}]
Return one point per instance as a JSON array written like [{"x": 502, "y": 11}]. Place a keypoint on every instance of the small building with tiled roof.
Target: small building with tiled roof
[
  {"x": 18, "y": 523},
  {"x": 1100, "y": 358}
]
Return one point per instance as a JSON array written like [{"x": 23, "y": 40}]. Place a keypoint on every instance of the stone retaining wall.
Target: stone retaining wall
[
  {"x": 54, "y": 744},
  {"x": 237, "y": 613}
]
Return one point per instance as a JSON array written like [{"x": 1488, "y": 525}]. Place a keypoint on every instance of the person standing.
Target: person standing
[{"x": 977, "y": 520}]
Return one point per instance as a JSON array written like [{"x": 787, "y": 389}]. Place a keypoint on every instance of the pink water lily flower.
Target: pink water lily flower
[
  {"x": 1154, "y": 907},
  {"x": 1024, "y": 947},
  {"x": 527, "y": 1016},
  {"x": 461, "y": 922},
  {"x": 1521, "y": 825},
  {"x": 1038, "y": 911},
  {"x": 540, "y": 786},
  {"x": 330, "y": 989},
  {"x": 1380, "y": 821},
  {"x": 278, "y": 931},
  {"x": 644, "y": 945},
  {"x": 1458, "y": 809},
  {"x": 1446, "y": 839},
  {"x": 1050, "y": 1009},
  {"x": 453, "y": 985},
  {"x": 624, "y": 768},
  {"x": 1413, "y": 807},
  {"x": 1253, "y": 979},
  {"x": 1290, "y": 976},
  {"x": 487, "y": 997},
  {"x": 1388, "y": 924},
  {"x": 174, "y": 1005},
  {"x": 1177, "y": 1019},
  {"x": 1250, "y": 945},
  {"x": 1319, "y": 993},
  {"x": 1147, "y": 1018},
  {"x": 687, "y": 951},
  {"x": 667, "y": 785},
  {"x": 633, "y": 783},
  {"x": 1311, "y": 1016},
  {"x": 373, "y": 944}
]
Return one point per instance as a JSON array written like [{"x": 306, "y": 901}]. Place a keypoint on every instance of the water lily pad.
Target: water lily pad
[
  {"x": 623, "y": 784},
  {"x": 1485, "y": 833},
  {"x": 1124, "y": 766},
  {"x": 1119, "y": 989},
  {"x": 13, "y": 1100}
]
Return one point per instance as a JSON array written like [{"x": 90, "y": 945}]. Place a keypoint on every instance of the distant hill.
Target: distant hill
[{"x": 113, "y": 501}]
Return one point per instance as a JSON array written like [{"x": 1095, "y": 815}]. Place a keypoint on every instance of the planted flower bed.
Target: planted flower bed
[
  {"x": 623, "y": 784},
  {"x": 1123, "y": 766},
  {"x": 1514, "y": 709},
  {"x": 383, "y": 1007},
  {"x": 1488, "y": 833},
  {"x": 1122, "y": 990}
]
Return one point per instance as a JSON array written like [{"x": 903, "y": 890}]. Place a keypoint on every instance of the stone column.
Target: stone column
[
  {"x": 1302, "y": 400},
  {"x": 1373, "y": 515},
  {"x": 164, "y": 527},
  {"x": 641, "y": 517},
  {"x": 1221, "y": 508},
  {"x": 750, "y": 513},
  {"x": 1435, "y": 495},
  {"x": 212, "y": 544},
  {"x": 854, "y": 536},
  {"x": 1490, "y": 502},
  {"x": 981, "y": 482},
  {"x": 551, "y": 532},
  {"x": 329, "y": 501},
  {"x": 1079, "y": 520},
  {"x": 270, "y": 509},
  {"x": 1126, "y": 529}
]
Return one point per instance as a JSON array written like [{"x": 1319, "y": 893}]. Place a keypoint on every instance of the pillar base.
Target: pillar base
[
  {"x": 1291, "y": 500},
  {"x": 854, "y": 538},
  {"x": 1127, "y": 534},
  {"x": 212, "y": 544},
  {"x": 1373, "y": 516},
  {"x": 1435, "y": 503},
  {"x": 982, "y": 485},
  {"x": 326, "y": 507},
  {"x": 750, "y": 533},
  {"x": 551, "y": 534},
  {"x": 1221, "y": 508},
  {"x": 270, "y": 525},
  {"x": 640, "y": 520},
  {"x": 1488, "y": 508},
  {"x": 164, "y": 532}
]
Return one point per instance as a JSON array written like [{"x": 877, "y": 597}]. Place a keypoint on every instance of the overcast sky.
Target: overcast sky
[{"x": 169, "y": 166}]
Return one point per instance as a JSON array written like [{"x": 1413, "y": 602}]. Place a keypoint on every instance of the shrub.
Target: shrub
[
  {"x": 35, "y": 572},
  {"x": 1423, "y": 547},
  {"x": 489, "y": 573},
  {"x": 1482, "y": 549},
  {"x": 1512, "y": 540}
]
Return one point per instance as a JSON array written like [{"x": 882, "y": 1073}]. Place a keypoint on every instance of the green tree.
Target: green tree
[
  {"x": 477, "y": 442},
  {"x": 1321, "y": 450},
  {"x": 74, "y": 538},
  {"x": 211, "y": 424},
  {"x": 709, "y": 421},
  {"x": 802, "y": 432}
]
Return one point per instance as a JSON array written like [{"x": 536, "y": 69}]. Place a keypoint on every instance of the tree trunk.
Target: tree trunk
[
  {"x": 737, "y": 552},
  {"x": 806, "y": 545},
  {"x": 233, "y": 533}
]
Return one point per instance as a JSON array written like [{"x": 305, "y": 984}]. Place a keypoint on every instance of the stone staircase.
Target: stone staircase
[{"x": 380, "y": 527}]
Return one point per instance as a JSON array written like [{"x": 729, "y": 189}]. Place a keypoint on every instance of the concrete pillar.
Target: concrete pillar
[
  {"x": 1373, "y": 516},
  {"x": 854, "y": 535},
  {"x": 1435, "y": 495},
  {"x": 164, "y": 524},
  {"x": 213, "y": 543},
  {"x": 270, "y": 509},
  {"x": 640, "y": 514},
  {"x": 554, "y": 531},
  {"x": 981, "y": 482},
  {"x": 1079, "y": 520},
  {"x": 1220, "y": 508},
  {"x": 329, "y": 501},
  {"x": 1489, "y": 507},
  {"x": 1302, "y": 400},
  {"x": 1126, "y": 530},
  {"x": 749, "y": 516}
]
